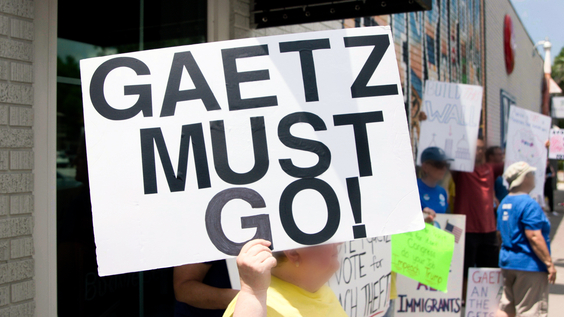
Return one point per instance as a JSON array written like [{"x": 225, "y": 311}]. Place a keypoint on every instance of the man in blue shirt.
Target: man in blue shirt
[
  {"x": 434, "y": 198},
  {"x": 525, "y": 251}
]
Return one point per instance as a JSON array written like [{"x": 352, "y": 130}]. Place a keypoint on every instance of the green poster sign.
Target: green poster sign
[{"x": 424, "y": 256}]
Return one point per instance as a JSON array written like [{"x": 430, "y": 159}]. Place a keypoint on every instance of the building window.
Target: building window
[
  {"x": 506, "y": 101},
  {"x": 85, "y": 30}
]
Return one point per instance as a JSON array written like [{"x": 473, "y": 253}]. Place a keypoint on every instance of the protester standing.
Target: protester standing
[
  {"x": 202, "y": 289},
  {"x": 291, "y": 283},
  {"x": 474, "y": 198},
  {"x": 548, "y": 186},
  {"x": 525, "y": 260},
  {"x": 495, "y": 155},
  {"x": 434, "y": 198}
]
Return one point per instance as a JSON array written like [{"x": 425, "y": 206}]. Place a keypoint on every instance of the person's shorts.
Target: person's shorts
[{"x": 524, "y": 293}]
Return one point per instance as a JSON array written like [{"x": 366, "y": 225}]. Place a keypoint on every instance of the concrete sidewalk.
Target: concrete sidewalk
[{"x": 556, "y": 297}]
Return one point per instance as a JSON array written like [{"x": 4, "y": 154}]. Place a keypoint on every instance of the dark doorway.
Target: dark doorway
[{"x": 89, "y": 29}]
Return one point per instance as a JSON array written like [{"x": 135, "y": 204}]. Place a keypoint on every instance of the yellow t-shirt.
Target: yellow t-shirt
[
  {"x": 288, "y": 300},
  {"x": 393, "y": 288}
]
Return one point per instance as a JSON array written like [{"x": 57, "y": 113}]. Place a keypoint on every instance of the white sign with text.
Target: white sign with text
[
  {"x": 527, "y": 134},
  {"x": 363, "y": 280},
  {"x": 453, "y": 120},
  {"x": 300, "y": 139},
  {"x": 485, "y": 287},
  {"x": 556, "y": 149},
  {"x": 416, "y": 299}
]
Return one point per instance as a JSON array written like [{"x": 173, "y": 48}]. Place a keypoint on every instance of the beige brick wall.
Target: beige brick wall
[
  {"x": 524, "y": 84},
  {"x": 17, "y": 287}
]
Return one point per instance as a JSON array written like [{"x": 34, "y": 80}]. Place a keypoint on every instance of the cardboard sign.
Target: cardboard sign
[
  {"x": 558, "y": 107},
  {"x": 527, "y": 134},
  {"x": 363, "y": 280},
  {"x": 453, "y": 120},
  {"x": 485, "y": 287},
  {"x": 417, "y": 299},
  {"x": 424, "y": 256},
  {"x": 556, "y": 150},
  {"x": 300, "y": 139}
]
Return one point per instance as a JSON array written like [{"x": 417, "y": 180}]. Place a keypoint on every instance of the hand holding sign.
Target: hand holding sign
[
  {"x": 254, "y": 264},
  {"x": 424, "y": 256},
  {"x": 225, "y": 142}
]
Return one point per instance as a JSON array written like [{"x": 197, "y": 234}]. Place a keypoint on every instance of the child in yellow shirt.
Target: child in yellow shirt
[{"x": 291, "y": 285}]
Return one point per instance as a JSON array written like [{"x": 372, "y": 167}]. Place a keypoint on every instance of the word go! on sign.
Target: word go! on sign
[{"x": 299, "y": 139}]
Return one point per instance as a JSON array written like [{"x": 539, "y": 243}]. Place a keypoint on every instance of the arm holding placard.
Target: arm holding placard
[
  {"x": 189, "y": 288},
  {"x": 254, "y": 262},
  {"x": 538, "y": 244}
]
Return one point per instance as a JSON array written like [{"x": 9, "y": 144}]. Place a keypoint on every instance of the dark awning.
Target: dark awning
[{"x": 268, "y": 13}]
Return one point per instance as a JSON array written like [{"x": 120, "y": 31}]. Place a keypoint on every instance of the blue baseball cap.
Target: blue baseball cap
[{"x": 434, "y": 154}]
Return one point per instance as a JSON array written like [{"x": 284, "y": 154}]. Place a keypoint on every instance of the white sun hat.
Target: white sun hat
[{"x": 516, "y": 172}]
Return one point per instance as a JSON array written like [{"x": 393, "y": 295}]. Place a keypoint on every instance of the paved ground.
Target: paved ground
[{"x": 556, "y": 297}]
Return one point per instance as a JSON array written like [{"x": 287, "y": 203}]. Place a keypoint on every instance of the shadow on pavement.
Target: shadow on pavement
[
  {"x": 557, "y": 289},
  {"x": 555, "y": 220},
  {"x": 554, "y": 223},
  {"x": 559, "y": 262}
]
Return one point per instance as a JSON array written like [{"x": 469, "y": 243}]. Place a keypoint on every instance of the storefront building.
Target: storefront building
[
  {"x": 514, "y": 69},
  {"x": 47, "y": 253}
]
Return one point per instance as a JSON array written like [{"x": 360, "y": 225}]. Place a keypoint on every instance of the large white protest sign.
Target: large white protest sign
[
  {"x": 363, "y": 280},
  {"x": 527, "y": 134},
  {"x": 556, "y": 149},
  {"x": 558, "y": 107},
  {"x": 301, "y": 139},
  {"x": 416, "y": 299},
  {"x": 485, "y": 287},
  {"x": 453, "y": 120}
]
